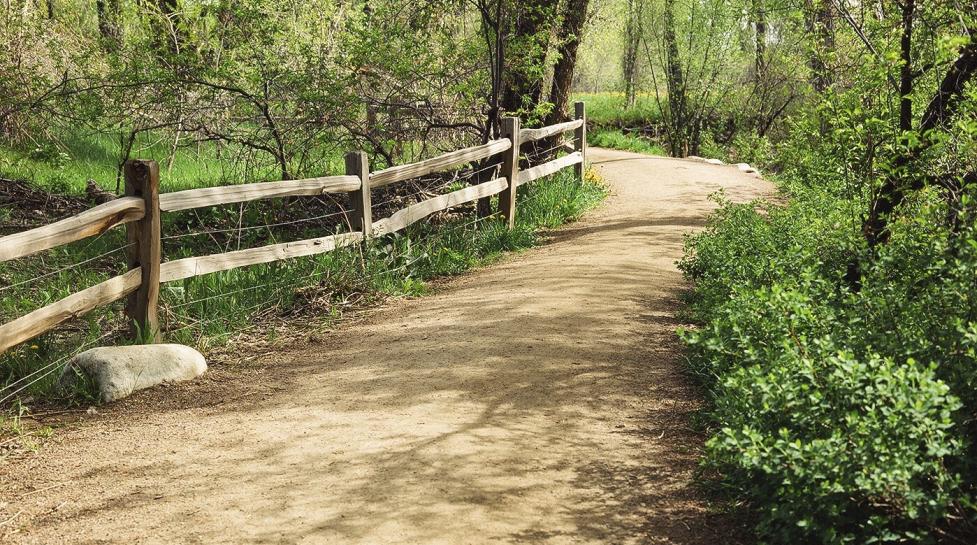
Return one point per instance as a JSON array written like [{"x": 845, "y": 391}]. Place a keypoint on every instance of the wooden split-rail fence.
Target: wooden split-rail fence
[{"x": 141, "y": 208}]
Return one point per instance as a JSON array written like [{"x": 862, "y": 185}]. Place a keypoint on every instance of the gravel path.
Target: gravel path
[{"x": 538, "y": 400}]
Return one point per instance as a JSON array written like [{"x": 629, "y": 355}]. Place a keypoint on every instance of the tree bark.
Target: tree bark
[
  {"x": 574, "y": 19},
  {"x": 675, "y": 81},
  {"x": 632, "y": 38},
  {"x": 523, "y": 87}
]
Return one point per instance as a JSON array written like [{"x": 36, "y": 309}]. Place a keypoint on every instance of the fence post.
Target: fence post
[
  {"x": 145, "y": 249},
  {"x": 580, "y": 138},
  {"x": 358, "y": 164},
  {"x": 510, "y": 169}
]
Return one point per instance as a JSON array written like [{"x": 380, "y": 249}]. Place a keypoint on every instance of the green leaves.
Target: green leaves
[{"x": 841, "y": 417}]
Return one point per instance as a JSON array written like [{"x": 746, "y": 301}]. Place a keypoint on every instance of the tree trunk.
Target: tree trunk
[
  {"x": 942, "y": 108},
  {"x": 760, "y": 27},
  {"x": 574, "y": 18},
  {"x": 523, "y": 87},
  {"x": 906, "y": 69},
  {"x": 632, "y": 38},
  {"x": 819, "y": 18},
  {"x": 675, "y": 81}
]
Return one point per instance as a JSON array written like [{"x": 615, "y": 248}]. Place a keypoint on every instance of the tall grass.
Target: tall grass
[{"x": 208, "y": 311}]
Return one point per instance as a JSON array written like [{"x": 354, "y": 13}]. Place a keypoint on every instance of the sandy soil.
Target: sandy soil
[{"x": 539, "y": 400}]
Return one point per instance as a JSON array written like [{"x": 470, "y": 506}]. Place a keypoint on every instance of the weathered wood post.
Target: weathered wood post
[
  {"x": 510, "y": 169},
  {"x": 358, "y": 164},
  {"x": 145, "y": 249},
  {"x": 580, "y": 138}
]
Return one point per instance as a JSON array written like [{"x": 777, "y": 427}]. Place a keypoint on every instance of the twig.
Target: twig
[
  {"x": 25, "y": 494},
  {"x": 8, "y": 521}
]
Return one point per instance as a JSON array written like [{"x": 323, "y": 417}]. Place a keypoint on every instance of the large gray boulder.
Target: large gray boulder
[{"x": 117, "y": 371}]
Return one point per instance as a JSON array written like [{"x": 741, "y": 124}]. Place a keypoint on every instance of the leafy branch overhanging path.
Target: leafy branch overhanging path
[{"x": 538, "y": 400}]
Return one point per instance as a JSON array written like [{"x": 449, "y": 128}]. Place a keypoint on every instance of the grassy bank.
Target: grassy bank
[
  {"x": 609, "y": 110},
  {"x": 615, "y": 139},
  {"x": 611, "y": 124},
  {"x": 208, "y": 311}
]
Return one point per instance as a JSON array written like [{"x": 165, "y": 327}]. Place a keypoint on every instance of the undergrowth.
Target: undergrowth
[{"x": 838, "y": 416}]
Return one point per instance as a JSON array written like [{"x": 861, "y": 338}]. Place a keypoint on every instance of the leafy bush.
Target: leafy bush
[{"x": 839, "y": 416}]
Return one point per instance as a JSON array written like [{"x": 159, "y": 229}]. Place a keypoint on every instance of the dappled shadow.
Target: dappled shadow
[{"x": 539, "y": 401}]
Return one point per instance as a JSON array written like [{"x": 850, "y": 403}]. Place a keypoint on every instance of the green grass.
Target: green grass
[
  {"x": 615, "y": 139},
  {"x": 66, "y": 166},
  {"x": 605, "y": 110},
  {"x": 607, "y": 116},
  {"x": 208, "y": 311}
]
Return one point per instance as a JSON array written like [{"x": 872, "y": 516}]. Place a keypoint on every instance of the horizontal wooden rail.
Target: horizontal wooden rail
[
  {"x": 213, "y": 196},
  {"x": 441, "y": 162},
  {"x": 94, "y": 221},
  {"x": 416, "y": 212},
  {"x": 44, "y": 319},
  {"x": 196, "y": 266},
  {"x": 147, "y": 246},
  {"x": 529, "y": 135},
  {"x": 551, "y": 167}
]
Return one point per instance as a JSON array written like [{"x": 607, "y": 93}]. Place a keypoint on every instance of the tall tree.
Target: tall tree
[
  {"x": 819, "y": 19},
  {"x": 758, "y": 13},
  {"x": 571, "y": 29},
  {"x": 675, "y": 82},
  {"x": 633, "y": 30},
  {"x": 526, "y": 55}
]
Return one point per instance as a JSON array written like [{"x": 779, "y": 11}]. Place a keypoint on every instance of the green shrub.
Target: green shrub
[
  {"x": 751, "y": 148},
  {"x": 836, "y": 449},
  {"x": 839, "y": 416}
]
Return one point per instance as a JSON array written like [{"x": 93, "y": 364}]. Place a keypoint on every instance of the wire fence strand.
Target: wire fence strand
[
  {"x": 342, "y": 212},
  {"x": 67, "y": 268}
]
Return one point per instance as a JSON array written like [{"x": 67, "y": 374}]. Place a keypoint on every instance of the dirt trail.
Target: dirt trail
[{"x": 539, "y": 400}]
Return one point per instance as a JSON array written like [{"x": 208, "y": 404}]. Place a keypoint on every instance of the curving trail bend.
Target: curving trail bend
[{"x": 537, "y": 400}]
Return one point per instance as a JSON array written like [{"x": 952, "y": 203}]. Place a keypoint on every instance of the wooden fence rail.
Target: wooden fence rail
[{"x": 141, "y": 208}]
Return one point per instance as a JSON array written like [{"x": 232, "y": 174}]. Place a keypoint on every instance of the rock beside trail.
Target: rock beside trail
[
  {"x": 121, "y": 370},
  {"x": 745, "y": 167}
]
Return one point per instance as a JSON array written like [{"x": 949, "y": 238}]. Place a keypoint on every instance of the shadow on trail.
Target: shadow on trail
[
  {"x": 545, "y": 384},
  {"x": 540, "y": 400}
]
